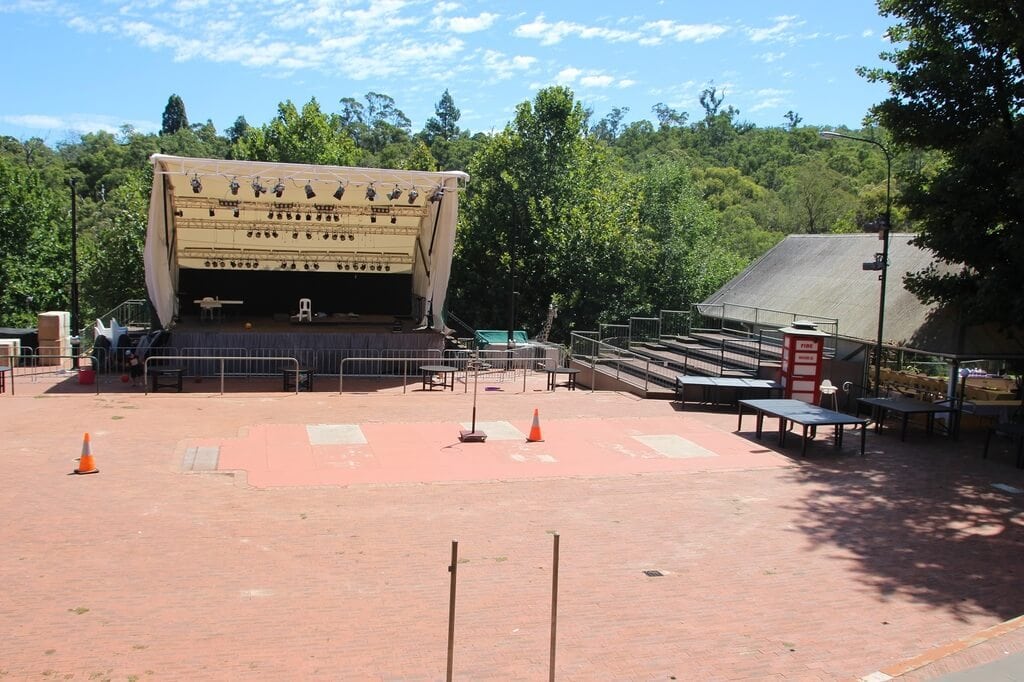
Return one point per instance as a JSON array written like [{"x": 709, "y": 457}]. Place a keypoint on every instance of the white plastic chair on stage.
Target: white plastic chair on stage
[{"x": 305, "y": 310}]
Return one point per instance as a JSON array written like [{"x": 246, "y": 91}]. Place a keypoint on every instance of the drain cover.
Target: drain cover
[{"x": 653, "y": 574}]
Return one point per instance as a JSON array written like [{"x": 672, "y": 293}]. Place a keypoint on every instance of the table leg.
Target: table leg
[
  {"x": 803, "y": 448},
  {"x": 760, "y": 424},
  {"x": 739, "y": 421},
  {"x": 863, "y": 439},
  {"x": 782, "y": 431}
]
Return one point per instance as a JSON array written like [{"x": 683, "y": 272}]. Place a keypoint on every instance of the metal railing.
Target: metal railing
[
  {"x": 644, "y": 329},
  {"x": 35, "y": 371},
  {"x": 220, "y": 358},
  {"x": 675, "y": 323},
  {"x": 500, "y": 362}
]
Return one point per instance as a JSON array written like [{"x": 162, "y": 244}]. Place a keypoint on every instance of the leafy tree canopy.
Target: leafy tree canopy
[{"x": 956, "y": 87}]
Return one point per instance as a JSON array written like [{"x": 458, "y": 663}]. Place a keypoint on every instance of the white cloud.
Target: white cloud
[
  {"x": 471, "y": 24},
  {"x": 568, "y": 75},
  {"x": 551, "y": 34},
  {"x": 697, "y": 33},
  {"x": 504, "y": 67},
  {"x": 442, "y": 7},
  {"x": 769, "y": 57},
  {"x": 867, "y": 33},
  {"x": 597, "y": 81},
  {"x": 626, "y": 83},
  {"x": 78, "y": 123},
  {"x": 777, "y": 31}
]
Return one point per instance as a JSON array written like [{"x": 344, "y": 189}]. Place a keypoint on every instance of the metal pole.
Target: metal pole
[
  {"x": 453, "y": 569},
  {"x": 829, "y": 134},
  {"x": 75, "y": 322},
  {"x": 885, "y": 267},
  {"x": 554, "y": 610}
]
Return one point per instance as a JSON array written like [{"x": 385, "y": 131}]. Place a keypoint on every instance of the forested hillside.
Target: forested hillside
[{"x": 607, "y": 217}]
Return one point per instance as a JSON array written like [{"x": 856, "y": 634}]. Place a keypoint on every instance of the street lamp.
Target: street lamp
[
  {"x": 881, "y": 262},
  {"x": 75, "y": 339}
]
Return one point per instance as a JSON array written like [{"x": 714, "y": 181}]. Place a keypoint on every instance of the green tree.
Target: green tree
[
  {"x": 956, "y": 87},
  {"x": 293, "y": 136},
  {"x": 174, "y": 118},
  {"x": 444, "y": 124}
]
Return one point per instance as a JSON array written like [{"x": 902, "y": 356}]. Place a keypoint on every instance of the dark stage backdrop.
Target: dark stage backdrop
[{"x": 268, "y": 292}]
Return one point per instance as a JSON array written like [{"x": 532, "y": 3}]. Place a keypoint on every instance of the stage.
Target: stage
[{"x": 320, "y": 345}]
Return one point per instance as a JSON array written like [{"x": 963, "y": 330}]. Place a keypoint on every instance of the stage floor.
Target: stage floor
[{"x": 233, "y": 322}]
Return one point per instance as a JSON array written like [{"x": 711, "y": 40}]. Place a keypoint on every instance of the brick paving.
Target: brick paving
[{"x": 775, "y": 568}]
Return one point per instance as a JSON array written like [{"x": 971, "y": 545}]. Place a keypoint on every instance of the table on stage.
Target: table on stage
[
  {"x": 810, "y": 417},
  {"x": 209, "y": 305}
]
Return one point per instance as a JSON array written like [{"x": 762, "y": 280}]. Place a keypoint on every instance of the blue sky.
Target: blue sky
[{"x": 85, "y": 65}]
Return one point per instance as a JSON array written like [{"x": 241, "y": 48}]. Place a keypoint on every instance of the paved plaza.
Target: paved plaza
[{"x": 275, "y": 536}]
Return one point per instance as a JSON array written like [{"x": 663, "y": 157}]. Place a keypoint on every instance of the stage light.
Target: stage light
[
  {"x": 235, "y": 212},
  {"x": 274, "y": 233},
  {"x": 258, "y": 234},
  {"x": 279, "y": 216},
  {"x": 207, "y": 263},
  {"x": 373, "y": 218},
  {"x": 305, "y": 266},
  {"x": 249, "y": 234},
  {"x": 234, "y": 186},
  {"x": 298, "y": 216},
  {"x": 337, "y": 218},
  {"x": 362, "y": 266},
  {"x": 309, "y": 191},
  {"x": 413, "y": 194},
  {"x": 339, "y": 265},
  {"x": 293, "y": 266},
  {"x": 279, "y": 189},
  {"x": 319, "y": 216},
  {"x": 197, "y": 186},
  {"x": 266, "y": 234},
  {"x": 379, "y": 267},
  {"x": 295, "y": 235},
  {"x": 255, "y": 263},
  {"x": 347, "y": 266},
  {"x": 371, "y": 193},
  {"x": 179, "y": 213},
  {"x": 257, "y": 188},
  {"x": 327, "y": 236},
  {"x": 387, "y": 268},
  {"x": 309, "y": 235},
  {"x": 340, "y": 192},
  {"x": 351, "y": 237},
  {"x": 437, "y": 195},
  {"x": 394, "y": 220},
  {"x": 284, "y": 265},
  {"x": 288, "y": 215},
  {"x": 334, "y": 236},
  {"x": 316, "y": 266},
  {"x": 395, "y": 193},
  {"x": 309, "y": 216},
  {"x": 232, "y": 263},
  {"x": 212, "y": 213},
  {"x": 222, "y": 263}
]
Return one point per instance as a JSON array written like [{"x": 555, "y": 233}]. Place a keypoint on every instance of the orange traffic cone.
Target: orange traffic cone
[
  {"x": 535, "y": 436},
  {"x": 86, "y": 464}
]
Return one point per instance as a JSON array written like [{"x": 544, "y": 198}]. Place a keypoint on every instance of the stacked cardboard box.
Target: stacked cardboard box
[
  {"x": 54, "y": 336},
  {"x": 10, "y": 351}
]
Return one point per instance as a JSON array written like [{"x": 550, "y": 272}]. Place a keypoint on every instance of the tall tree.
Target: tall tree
[
  {"x": 444, "y": 124},
  {"x": 174, "y": 116},
  {"x": 956, "y": 86},
  {"x": 294, "y": 136}
]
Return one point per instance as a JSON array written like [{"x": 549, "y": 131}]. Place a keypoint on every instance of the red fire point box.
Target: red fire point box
[{"x": 803, "y": 346}]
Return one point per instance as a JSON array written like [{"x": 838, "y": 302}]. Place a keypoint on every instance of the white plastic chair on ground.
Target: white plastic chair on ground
[
  {"x": 305, "y": 310},
  {"x": 829, "y": 390}
]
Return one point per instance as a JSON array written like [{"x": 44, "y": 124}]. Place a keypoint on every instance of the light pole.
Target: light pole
[
  {"x": 881, "y": 260},
  {"x": 75, "y": 340}
]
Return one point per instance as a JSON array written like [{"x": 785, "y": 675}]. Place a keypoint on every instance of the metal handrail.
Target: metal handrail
[
  {"x": 222, "y": 358},
  {"x": 79, "y": 357}
]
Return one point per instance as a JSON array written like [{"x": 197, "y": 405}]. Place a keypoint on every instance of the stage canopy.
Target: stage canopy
[{"x": 251, "y": 216}]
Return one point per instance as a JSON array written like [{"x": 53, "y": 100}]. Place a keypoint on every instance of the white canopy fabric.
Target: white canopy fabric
[{"x": 269, "y": 216}]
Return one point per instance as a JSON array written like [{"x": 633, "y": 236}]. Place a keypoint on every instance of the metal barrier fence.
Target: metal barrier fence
[
  {"x": 643, "y": 329},
  {"x": 494, "y": 362},
  {"x": 221, "y": 359},
  {"x": 588, "y": 350},
  {"x": 62, "y": 366},
  {"x": 675, "y": 322}
]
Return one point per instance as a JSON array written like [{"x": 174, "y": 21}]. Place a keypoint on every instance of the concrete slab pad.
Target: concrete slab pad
[
  {"x": 335, "y": 434},
  {"x": 497, "y": 430},
  {"x": 203, "y": 458},
  {"x": 674, "y": 447}
]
